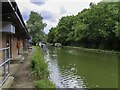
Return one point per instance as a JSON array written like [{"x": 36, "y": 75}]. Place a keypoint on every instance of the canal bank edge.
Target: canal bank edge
[
  {"x": 95, "y": 50},
  {"x": 40, "y": 69}
]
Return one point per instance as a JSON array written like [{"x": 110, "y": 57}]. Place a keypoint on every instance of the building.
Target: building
[{"x": 13, "y": 36}]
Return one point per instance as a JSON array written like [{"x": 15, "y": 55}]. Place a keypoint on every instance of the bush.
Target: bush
[
  {"x": 40, "y": 69},
  {"x": 45, "y": 83}
]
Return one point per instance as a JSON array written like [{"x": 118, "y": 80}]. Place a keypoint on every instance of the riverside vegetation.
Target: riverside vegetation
[
  {"x": 40, "y": 70},
  {"x": 39, "y": 67},
  {"x": 96, "y": 27}
]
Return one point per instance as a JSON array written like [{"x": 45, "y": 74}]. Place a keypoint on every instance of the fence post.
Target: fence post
[
  {"x": 4, "y": 64},
  {"x": 9, "y": 62},
  {"x": 6, "y": 61}
]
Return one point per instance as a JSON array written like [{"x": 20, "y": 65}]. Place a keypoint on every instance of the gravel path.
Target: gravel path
[{"x": 22, "y": 76}]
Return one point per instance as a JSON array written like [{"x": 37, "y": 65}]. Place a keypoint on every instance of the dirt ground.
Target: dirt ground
[{"x": 22, "y": 74}]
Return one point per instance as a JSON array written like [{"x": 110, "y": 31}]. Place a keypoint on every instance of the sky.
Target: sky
[{"x": 52, "y": 10}]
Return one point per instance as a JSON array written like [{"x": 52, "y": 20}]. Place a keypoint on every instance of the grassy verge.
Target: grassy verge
[
  {"x": 95, "y": 50},
  {"x": 40, "y": 69}
]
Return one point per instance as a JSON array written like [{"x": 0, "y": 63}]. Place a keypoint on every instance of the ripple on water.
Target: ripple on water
[
  {"x": 70, "y": 79},
  {"x": 73, "y": 52},
  {"x": 65, "y": 77}
]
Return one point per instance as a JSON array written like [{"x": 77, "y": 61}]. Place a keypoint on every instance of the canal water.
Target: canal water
[{"x": 77, "y": 68}]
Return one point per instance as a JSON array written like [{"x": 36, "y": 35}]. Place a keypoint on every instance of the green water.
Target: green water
[{"x": 95, "y": 70}]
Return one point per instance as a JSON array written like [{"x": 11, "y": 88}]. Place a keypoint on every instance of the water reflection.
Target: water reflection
[
  {"x": 53, "y": 68},
  {"x": 65, "y": 77},
  {"x": 77, "y": 68},
  {"x": 70, "y": 79}
]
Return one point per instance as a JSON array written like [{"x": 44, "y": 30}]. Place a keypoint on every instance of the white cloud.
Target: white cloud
[
  {"x": 69, "y": 7},
  {"x": 49, "y": 25}
]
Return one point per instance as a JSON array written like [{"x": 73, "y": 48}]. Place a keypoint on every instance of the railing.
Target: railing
[{"x": 5, "y": 71}]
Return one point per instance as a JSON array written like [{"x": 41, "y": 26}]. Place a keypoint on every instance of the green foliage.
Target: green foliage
[
  {"x": 96, "y": 27},
  {"x": 38, "y": 65},
  {"x": 35, "y": 27},
  {"x": 45, "y": 83},
  {"x": 51, "y": 36},
  {"x": 117, "y": 29},
  {"x": 40, "y": 70}
]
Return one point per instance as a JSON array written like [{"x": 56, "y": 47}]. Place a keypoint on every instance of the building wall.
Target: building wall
[
  {"x": 14, "y": 49},
  {"x": 8, "y": 27},
  {"x": 24, "y": 44},
  {"x": 13, "y": 39},
  {"x": 0, "y": 40},
  {"x": 21, "y": 45},
  {"x": 0, "y": 48},
  {"x": 4, "y": 39},
  {"x": 13, "y": 46},
  {"x": 2, "y": 45}
]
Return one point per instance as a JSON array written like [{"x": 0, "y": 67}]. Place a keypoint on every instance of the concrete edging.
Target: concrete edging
[{"x": 8, "y": 82}]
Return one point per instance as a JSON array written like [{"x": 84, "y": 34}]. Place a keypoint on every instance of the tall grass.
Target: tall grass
[{"x": 40, "y": 69}]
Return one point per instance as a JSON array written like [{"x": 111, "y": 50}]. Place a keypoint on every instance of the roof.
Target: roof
[{"x": 11, "y": 12}]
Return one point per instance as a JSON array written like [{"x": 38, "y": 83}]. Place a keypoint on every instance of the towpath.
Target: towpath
[{"x": 22, "y": 74}]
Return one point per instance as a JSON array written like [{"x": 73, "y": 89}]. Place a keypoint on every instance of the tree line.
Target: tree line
[
  {"x": 36, "y": 27},
  {"x": 96, "y": 27}
]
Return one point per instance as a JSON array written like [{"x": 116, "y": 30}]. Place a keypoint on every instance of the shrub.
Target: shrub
[
  {"x": 45, "y": 83},
  {"x": 40, "y": 69}
]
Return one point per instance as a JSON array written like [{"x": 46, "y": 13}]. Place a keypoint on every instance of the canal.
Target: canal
[{"x": 79, "y": 68}]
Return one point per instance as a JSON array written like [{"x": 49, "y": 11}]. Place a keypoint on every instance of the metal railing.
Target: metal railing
[{"x": 5, "y": 73}]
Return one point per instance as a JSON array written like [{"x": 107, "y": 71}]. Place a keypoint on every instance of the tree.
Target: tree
[
  {"x": 51, "y": 35},
  {"x": 96, "y": 27},
  {"x": 36, "y": 27}
]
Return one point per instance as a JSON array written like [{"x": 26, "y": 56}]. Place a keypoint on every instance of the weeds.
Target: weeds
[{"x": 40, "y": 70}]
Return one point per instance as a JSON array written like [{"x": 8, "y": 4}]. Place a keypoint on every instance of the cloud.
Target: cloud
[
  {"x": 49, "y": 25},
  {"x": 62, "y": 10},
  {"x": 38, "y": 2},
  {"x": 52, "y": 10},
  {"x": 47, "y": 15},
  {"x": 25, "y": 16}
]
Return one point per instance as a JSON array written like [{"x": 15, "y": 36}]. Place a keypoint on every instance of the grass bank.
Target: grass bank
[
  {"x": 95, "y": 50},
  {"x": 40, "y": 69}
]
